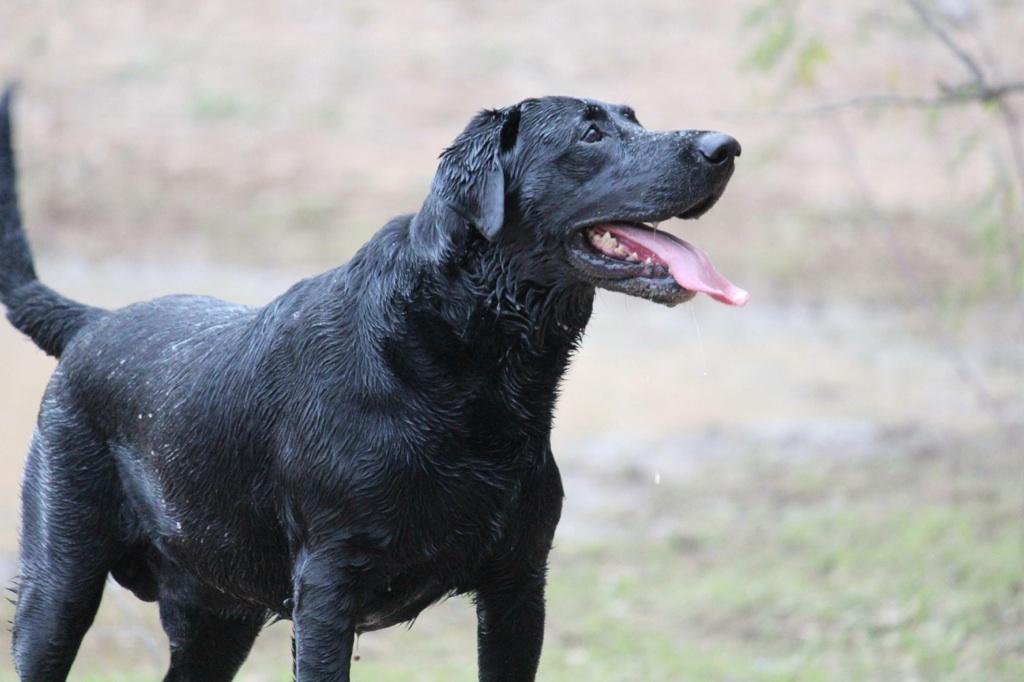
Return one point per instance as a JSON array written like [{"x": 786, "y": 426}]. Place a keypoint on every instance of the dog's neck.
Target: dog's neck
[
  {"x": 478, "y": 314},
  {"x": 498, "y": 288}
]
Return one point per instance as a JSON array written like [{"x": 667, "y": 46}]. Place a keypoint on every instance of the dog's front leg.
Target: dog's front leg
[
  {"x": 323, "y": 618},
  {"x": 510, "y": 624}
]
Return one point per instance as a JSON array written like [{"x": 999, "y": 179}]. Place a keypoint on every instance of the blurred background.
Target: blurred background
[{"x": 825, "y": 485}]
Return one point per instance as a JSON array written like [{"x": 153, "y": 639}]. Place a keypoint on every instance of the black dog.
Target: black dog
[{"x": 370, "y": 442}]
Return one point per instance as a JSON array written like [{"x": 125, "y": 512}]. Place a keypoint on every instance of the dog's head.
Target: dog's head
[{"x": 574, "y": 189}]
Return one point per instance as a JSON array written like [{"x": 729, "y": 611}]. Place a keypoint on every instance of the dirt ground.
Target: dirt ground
[{"x": 825, "y": 485}]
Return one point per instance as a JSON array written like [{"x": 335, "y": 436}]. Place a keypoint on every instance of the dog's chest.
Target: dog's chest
[{"x": 442, "y": 551}]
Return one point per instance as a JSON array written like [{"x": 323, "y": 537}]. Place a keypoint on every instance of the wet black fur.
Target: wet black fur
[{"x": 371, "y": 441}]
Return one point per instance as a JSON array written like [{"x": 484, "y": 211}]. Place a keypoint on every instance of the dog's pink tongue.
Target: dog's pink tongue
[{"x": 690, "y": 267}]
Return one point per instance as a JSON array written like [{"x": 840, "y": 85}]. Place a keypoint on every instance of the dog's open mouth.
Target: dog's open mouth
[{"x": 639, "y": 259}]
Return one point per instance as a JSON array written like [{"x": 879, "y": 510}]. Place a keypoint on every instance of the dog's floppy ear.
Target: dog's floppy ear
[{"x": 471, "y": 177}]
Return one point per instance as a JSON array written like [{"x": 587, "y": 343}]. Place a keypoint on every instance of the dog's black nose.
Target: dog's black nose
[{"x": 718, "y": 148}]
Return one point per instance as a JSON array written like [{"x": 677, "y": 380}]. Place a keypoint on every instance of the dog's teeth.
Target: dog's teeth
[
  {"x": 633, "y": 257},
  {"x": 604, "y": 241},
  {"x": 654, "y": 226},
  {"x": 648, "y": 261}
]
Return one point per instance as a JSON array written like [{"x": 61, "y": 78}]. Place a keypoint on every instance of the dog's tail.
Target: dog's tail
[{"x": 45, "y": 316}]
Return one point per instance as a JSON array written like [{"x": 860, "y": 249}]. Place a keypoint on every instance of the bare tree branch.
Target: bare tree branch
[
  {"x": 930, "y": 22},
  {"x": 968, "y": 93},
  {"x": 976, "y": 89},
  {"x": 982, "y": 90}
]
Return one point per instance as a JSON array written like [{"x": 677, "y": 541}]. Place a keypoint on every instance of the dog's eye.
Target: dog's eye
[{"x": 592, "y": 135}]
